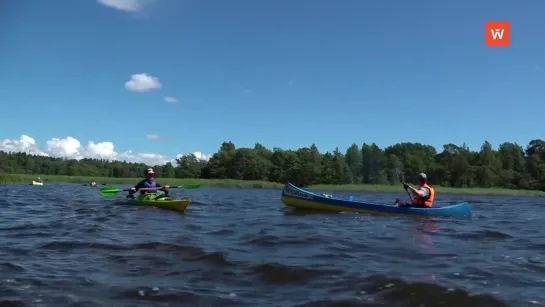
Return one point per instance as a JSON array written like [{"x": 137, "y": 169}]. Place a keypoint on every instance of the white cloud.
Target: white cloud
[
  {"x": 125, "y": 5},
  {"x": 170, "y": 99},
  {"x": 24, "y": 144},
  {"x": 68, "y": 147},
  {"x": 199, "y": 155},
  {"x": 143, "y": 83},
  {"x": 71, "y": 148},
  {"x": 153, "y": 137},
  {"x": 202, "y": 156}
]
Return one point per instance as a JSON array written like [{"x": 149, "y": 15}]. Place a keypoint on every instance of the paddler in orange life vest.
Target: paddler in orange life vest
[{"x": 422, "y": 197}]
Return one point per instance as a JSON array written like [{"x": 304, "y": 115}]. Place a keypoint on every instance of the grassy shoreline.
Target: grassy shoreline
[{"x": 231, "y": 183}]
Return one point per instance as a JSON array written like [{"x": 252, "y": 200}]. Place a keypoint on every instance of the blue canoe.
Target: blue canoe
[{"x": 295, "y": 197}]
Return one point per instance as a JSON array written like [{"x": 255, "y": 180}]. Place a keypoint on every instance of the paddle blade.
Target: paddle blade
[
  {"x": 190, "y": 186},
  {"x": 398, "y": 173},
  {"x": 109, "y": 191}
]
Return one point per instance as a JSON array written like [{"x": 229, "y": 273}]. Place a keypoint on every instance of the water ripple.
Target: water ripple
[{"x": 64, "y": 245}]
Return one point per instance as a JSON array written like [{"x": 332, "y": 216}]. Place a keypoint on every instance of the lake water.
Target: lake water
[{"x": 65, "y": 245}]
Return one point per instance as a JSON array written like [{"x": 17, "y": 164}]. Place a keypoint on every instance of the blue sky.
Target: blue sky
[{"x": 282, "y": 73}]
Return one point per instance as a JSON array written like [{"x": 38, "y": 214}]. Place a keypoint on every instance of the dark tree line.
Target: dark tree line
[{"x": 509, "y": 166}]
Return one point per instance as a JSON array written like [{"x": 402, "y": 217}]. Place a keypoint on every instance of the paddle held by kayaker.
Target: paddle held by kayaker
[
  {"x": 147, "y": 183},
  {"x": 422, "y": 197}
]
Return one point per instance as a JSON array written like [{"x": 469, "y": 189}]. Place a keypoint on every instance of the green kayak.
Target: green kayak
[{"x": 159, "y": 201}]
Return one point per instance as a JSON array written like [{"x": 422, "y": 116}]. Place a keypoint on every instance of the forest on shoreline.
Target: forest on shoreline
[{"x": 510, "y": 166}]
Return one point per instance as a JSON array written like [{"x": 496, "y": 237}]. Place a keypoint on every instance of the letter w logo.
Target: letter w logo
[{"x": 497, "y": 34}]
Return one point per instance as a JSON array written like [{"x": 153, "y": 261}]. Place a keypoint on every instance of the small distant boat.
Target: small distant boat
[
  {"x": 296, "y": 197},
  {"x": 37, "y": 183}
]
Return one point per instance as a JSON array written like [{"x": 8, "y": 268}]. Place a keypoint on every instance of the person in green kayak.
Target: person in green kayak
[
  {"x": 149, "y": 184},
  {"x": 423, "y": 197}
]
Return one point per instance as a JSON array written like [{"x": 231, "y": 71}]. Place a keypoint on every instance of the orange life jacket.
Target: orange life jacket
[{"x": 426, "y": 202}]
